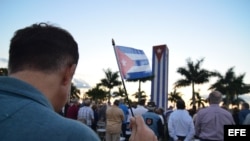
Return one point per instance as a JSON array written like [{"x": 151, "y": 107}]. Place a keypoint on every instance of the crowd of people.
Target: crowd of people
[
  {"x": 172, "y": 124},
  {"x": 116, "y": 116},
  {"x": 42, "y": 61}
]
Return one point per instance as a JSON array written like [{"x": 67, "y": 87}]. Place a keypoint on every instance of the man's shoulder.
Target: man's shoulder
[
  {"x": 84, "y": 108},
  {"x": 152, "y": 114},
  {"x": 205, "y": 109},
  {"x": 177, "y": 113},
  {"x": 140, "y": 108},
  {"x": 245, "y": 111},
  {"x": 114, "y": 108},
  {"x": 52, "y": 124}
]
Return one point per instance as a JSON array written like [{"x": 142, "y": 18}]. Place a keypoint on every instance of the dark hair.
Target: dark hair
[
  {"x": 116, "y": 102},
  {"x": 42, "y": 47},
  {"x": 94, "y": 107},
  {"x": 151, "y": 106},
  {"x": 180, "y": 104},
  {"x": 87, "y": 102},
  {"x": 142, "y": 102},
  {"x": 245, "y": 105}
]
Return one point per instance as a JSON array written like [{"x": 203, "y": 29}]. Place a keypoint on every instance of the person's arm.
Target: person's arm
[
  {"x": 197, "y": 125},
  {"x": 140, "y": 131},
  {"x": 191, "y": 131},
  {"x": 171, "y": 130}
]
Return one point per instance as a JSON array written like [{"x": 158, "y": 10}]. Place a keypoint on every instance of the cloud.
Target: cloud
[
  {"x": 80, "y": 83},
  {"x": 3, "y": 62},
  {"x": 246, "y": 97}
]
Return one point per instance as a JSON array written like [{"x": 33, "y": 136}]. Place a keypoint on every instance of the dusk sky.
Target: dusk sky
[{"x": 217, "y": 30}]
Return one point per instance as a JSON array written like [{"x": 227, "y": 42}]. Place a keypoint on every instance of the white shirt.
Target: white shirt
[
  {"x": 140, "y": 110},
  {"x": 130, "y": 114},
  {"x": 181, "y": 123}
]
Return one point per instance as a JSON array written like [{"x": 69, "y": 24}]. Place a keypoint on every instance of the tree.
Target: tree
[
  {"x": 74, "y": 93},
  {"x": 3, "y": 71},
  {"x": 174, "y": 96},
  {"x": 234, "y": 101},
  {"x": 110, "y": 81},
  {"x": 200, "y": 101},
  {"x": 120, "y": 92},
  {"x": 97, "y": 94},
  {"x": 139, "y": 94},
  {"x": 193, "y": 74},
  {"x": 231, "y": 86}
]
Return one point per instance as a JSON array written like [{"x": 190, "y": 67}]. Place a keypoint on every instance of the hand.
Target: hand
[{"x": 140, "y": 131}]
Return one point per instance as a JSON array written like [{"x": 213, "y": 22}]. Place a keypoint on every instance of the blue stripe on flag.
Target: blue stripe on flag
[
  {"x": 137, "y": 75},
  {"x": 159, "y": 77},
  {"x": 130, "y": 50},
  {"x": 141, "y": 62},
  {"x": 164, "y": 80}
]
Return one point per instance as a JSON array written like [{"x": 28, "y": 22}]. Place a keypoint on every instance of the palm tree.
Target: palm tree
[
  {"x": 75, "y": 93},
  {"x": 174, "y": 96},
  {"x": 110, "y": 81},
  {"x": 237, "y": 101},
  {"x": 139, "y": 94},
  {"x": 193, "y": 74},
  {"x": 231, "y": 86},
  {"x": 240, "y": 86},
  {"x": 97, "y": 94},
  {"x": 119, "y": 93},
  {"x": 200, "y": 101}
]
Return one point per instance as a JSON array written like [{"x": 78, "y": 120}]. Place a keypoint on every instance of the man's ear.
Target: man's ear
[{"x": 68, "y": 74}]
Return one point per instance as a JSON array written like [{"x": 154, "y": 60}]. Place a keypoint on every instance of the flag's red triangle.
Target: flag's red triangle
[
  {"x": 159, "y": 50},
  {"x": 124, "y": 61}
]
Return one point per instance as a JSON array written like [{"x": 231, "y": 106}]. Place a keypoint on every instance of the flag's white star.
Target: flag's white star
[
  {"x": 124, "y": 62},
  {"x": 159, "y": 50}
]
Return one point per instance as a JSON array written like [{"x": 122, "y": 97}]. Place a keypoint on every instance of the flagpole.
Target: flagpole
[{"x": 113, "y": 43}]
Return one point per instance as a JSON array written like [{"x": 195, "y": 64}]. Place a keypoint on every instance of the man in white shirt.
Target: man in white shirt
[
  {"x": 140, "y": 109},
  {"x": 180, "y": 123}
]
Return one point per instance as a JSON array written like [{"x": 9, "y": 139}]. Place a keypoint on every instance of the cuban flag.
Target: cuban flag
[
  {"x": 133, "y": 63},
  {"x": 159, "y": 85}
]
